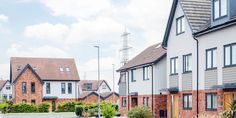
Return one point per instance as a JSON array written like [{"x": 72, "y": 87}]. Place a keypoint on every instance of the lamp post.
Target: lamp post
[
  {"x": 99, "y": 110},
  {"x": 113, "y": 99}
]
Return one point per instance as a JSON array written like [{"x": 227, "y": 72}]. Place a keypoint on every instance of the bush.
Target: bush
[
  {"x": 24, "y": 108},
  {"x": 44, "y": 107},
  {"x": 108, "y": 110},
  {"x": 4, "y": 107},
  {"x": 79, "y": 110},
  {"x": 67, "y": 107},
  {"x": 140, "y": 112}
]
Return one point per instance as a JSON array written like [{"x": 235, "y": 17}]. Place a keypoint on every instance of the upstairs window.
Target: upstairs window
[
  {"x": 68, "y": 69},
  {"x": 48, "y": 88},
  {"x": 133, "y": 77},
  {"x": 23, "y": 87},
  {"x": 63, "y": 88},
  {"x": 61, "y": 69},
  {"x": 187, "y": 63},
  {"x": 104, "y": 86},
  {"x": 230, "y": 54},
  {"x": 8, "y": 87},
  {"x": 180, "y": 28},
  {"x": 174, "y": 65},
  {"x": 211, "y": 58},
  {"x": 32, "y": 87},
  {"x": 146, "y": 73},
  {"x": 220, "y": 8},
  {"x": 69, "y": 88},
  {"x": 88, "y": 86}
]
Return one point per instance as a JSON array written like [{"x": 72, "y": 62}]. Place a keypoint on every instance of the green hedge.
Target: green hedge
[
  {"x": 67, "y": 106},
  {"x": 24, "y": 108},
  {"x": 4, "y": 107},
  {"x": 44, "y": 107}
]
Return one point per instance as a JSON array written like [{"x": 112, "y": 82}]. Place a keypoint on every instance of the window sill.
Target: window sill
[
  {"x": 230, "y": 66},
  {"x": 220, "y": 17},
  {"x": 187, "y": 108},
  {"x": 208, "y": 69},
  {"x": 211, "y": 109},
  {"x": 146, "y": 79},
  {"x": 177, "y": 34},
  {"x": 133, "y": 81},
  {"x": 173, "y": 74},
  {"x": 187, "y": 72}
]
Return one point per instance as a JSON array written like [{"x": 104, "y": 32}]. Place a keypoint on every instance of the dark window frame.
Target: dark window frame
[
  {"x": 124, "y": 99},
  {"x": 220, "y": 16},
  {"x": 69, "y": 85},
  {"x": 63, "y": 88},
  {"x": 24, "y": 88},
  {"x": 132, "y": 75},
  {"x": 33, "y": 88},
  {"x": 33, "y": 101},
  {"x": 211, "y": 109},
  {"x": 147, "y": 101},
  {"x": 24, "y": 101},
  {"x": 89, "y": 86},
  {"x": 144, "y": 73},
  {"x": 188, "y": 106},
  {"x": 175, "y": 64},
  {"x": 181, "y": 18},
  {"x": 212, "y": 66},
  {"x": 231, "y": 54},
  {"x": 184, "y": 63},
  {"x": 48, "y": 88}
]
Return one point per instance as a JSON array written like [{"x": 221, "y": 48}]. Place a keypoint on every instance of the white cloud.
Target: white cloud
[
  {"x": 3, "y": 18},
  {"x": 4, "y": 71},
  {"x": 18, "y": 50},
  {"x": 77, "y": 8},
  {"x": 47, "y": 31}
]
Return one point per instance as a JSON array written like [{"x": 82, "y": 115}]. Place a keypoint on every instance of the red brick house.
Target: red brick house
[{"x": 44, "y": 79}]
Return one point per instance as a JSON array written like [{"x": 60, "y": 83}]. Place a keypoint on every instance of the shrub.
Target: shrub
[
  {"x": 108, "y": 111},
  {"x": 79, "y": 110},
  {"x": 67, "y": 107},
  {"x": 4, "y": 107},
  {"x": 24, "y": 108},
  {"x": 44, "y": 107},
  {"x": 140, "y": 112}
]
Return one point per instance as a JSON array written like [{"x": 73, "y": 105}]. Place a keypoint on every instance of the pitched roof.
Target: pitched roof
[
  {"x": 2, "y": 83},
  {"x": 95, "y": 84},
  {"x": 151, "y": 54},
  {"x": 46, "y": 68},
  {"x": 103, "y": 96},
  {"x": 87, "y": 94},
  {"x": 32, "y": 70}
]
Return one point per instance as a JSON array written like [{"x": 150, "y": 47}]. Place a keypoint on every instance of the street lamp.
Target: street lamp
[
  {"x": 113, "y": 99},
  {"x": 99, "y": 110}
]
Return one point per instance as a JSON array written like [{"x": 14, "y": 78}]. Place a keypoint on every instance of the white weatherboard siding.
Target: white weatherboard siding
[
  {"x": 4, "y": 91},
  {"x": 215, "y": 39},
  {"x": 143, "y": 87},
  {"x": 179, "y": 45},
  {"x": 106, "y": 89},
  {"x": 56, "y": 89},
  {"x": 159, "y": 74}
]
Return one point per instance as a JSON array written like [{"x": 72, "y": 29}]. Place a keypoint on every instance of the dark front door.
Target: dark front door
[
  {"x": 53, "y": 106},
  {"x": 134, "y": 101}
]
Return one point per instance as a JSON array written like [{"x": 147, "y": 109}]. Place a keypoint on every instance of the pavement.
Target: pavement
[{"x": 40, "y": 115}]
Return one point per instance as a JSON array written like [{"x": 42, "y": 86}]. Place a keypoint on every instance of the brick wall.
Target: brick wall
[
  {"x": 27, "y": 77},
  {"x": 110, "y": 99}
]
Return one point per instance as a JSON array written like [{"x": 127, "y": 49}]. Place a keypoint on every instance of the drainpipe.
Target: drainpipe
[
  {"x": 152, "y": 91},
  {"x": 128, "y": 90},
  {"x": 197, "y": 74}
]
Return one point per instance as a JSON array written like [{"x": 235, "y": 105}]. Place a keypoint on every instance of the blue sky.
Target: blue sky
[{"x": 70, "y": 28}]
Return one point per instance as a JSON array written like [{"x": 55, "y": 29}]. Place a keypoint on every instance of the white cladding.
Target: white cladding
[
  {"x": 104, "y": 88},
  {"x": 144, "y": 87},
  {"x": 179, "y": 45},
  {"x": 55, "y": 89},
  {"x": 211, "y": 40},
  {"x": 5, "y": 91}
]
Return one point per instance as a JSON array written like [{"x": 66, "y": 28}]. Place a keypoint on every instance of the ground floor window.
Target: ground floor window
[
  {"x": 24, "y": 101},
  {"x": 145, "y": 101},
  {"x": 33, "y": 101},
  {"x": 123, "y": 101},
  {"x": 187, "y": 101},
  {"x": 211, "y": 101}
]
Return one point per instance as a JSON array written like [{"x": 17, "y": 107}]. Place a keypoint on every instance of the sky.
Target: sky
[{"x": 71, "y": 29}]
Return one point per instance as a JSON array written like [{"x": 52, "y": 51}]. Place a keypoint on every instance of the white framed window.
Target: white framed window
[
  {"x": 61, "y": 69},
  {"x": 63, "y": 88},
  {"x": 230, "y": 54},
  {"x": 146, "y": 73},
  {"x": 187, "y": 61},
  {"x": 220, "y": 8},
  {"x": 67, "y": 69},
  {"x": 88, "y": 86},
  {"x": 174, "y": 65},
  {"x": 180, "y": 26},
  {"x": 8, "y": 87},
  {"x": 211, "y": 58}
]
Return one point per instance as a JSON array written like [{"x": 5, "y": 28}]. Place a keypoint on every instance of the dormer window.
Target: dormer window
[
  {"x": 61, "y": 69},
  {"x": 67, "y": 69},
  {"x": 180, "y": 25},
  {"x": 34, "y": 68},
  {"x": 88, "y": 86},
  {"x": 219, "y": 8},
  {"x": 18, "y": 68}
]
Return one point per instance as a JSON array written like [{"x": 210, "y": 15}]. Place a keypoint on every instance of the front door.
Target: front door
[
  {"x": 229, "y": 99},
  {"x": 175, "y": 106},
  {"x": 53, "y": 106},
  {"x": 134, "y": 102}
]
